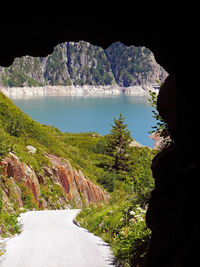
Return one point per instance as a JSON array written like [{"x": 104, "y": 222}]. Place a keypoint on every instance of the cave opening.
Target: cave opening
[
  {"x": 175, "y": 234},
  {"x": 51, "y": 75},
  {"x": 82, "y": 69}
]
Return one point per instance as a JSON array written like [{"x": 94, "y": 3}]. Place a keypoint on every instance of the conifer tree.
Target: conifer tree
[{"x": 119, "y": 147}]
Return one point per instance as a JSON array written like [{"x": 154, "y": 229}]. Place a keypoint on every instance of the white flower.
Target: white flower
[
  {"x": 137, "y": 216},
  {"x": 21, "y": 209},
  {"x": 132, "y": 212}
]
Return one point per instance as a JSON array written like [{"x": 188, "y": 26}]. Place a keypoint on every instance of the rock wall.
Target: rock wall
[
  {"x": 74, "y": 185},
  {"x": 174, "y": 202},
  {"x": 134, "y": 66}
]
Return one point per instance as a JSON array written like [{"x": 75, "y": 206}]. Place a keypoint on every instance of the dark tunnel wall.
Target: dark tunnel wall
[{"x": 171, "y": 33}]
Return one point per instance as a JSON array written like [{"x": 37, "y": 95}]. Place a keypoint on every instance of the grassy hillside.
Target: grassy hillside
[
  {"x": 120, "y": 221},
  {"x": 17, "y": 130}
]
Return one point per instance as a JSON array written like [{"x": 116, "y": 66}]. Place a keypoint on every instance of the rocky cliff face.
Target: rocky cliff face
[
  {"x": 133, "y": 66},
  {"x": 88, "y": 64},
  {"x": 58, "y": 186},
  {"x": 85, "y": 64},
  {"x": 56, "y": 70}
]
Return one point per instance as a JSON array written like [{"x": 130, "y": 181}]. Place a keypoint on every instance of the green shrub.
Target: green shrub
[
  {"x": 133, "y": 243},
  {"x": 101, "y": 147},
  {"x": 4, "y": 147},
  {"x": 52, "y": 192},
  {"x": 161, "y": 126},
  {"x": 108, "y": 181},
  {"x": 121, "y": 223},
  {"x": 1, "y": 201},
  {"x": 14, "y": 126},
  {"x": 141, "y": 173},
  {"x": 9, "y": 224},
  {"x": 12, "y": 223},
  {"x": 27, "y": 197}
]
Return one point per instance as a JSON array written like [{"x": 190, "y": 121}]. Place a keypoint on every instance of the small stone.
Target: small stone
[
  {"x": 31, "y": 149},
  {"x": 135, "y": 143}
]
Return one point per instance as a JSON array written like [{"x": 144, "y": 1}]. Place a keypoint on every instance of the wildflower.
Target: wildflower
[
  {"x": 132, "y": 212},
  {"x": 139, "y": 209},
  {"x": 137, "y": 215},
  {"x": 132, "y": 220},
  {"x": 110, "y": 211},
  {"x": 122, "y": 232},
  {"x": 21, "y": 209}
]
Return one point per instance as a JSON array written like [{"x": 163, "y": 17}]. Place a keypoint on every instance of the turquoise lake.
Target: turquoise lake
[{"x": 91, "y": 114}]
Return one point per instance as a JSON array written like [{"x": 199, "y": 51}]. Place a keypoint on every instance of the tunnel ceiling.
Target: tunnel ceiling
[{"x": 34, "y": 29}]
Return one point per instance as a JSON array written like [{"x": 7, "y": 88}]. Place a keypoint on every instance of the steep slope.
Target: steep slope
[
  {"x": 87, "y": 64},
  {"x": 57, "y": 187},
  {"x": 25, "y": 71},
  {"x": 56, "y": 71},
  {"x": 133, "y": 66},
  {"x": 30, "y": 71},
  {"x": 42, "y": 167},
  {"x": 82, "y": 63}
]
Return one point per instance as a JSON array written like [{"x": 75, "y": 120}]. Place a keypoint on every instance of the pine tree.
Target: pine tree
[{"x": 119, "y": 147}]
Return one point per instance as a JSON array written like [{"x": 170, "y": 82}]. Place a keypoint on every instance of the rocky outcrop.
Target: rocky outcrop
[
  {"x": 88, "y": 64},
  {"x": 160, "y": 142},
  {"x": 23, "y": 180},
  {"x": 134, "y": 66},
  {"x": 157, "y": 140},
  {"x": 75, "y": 184},
  {"x": 139, "y": 90},
  {"x": 18, "y": 172}
]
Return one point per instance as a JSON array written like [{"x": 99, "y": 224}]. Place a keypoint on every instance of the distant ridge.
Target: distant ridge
[{"x": 82, "y": 63}]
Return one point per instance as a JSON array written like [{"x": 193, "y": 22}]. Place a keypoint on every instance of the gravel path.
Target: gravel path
[{"x": 50, "y": 239}]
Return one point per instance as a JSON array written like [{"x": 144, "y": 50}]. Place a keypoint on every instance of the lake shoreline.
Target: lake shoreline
[
  {"x": 75, "y": 114},
  {"x": 84, "y": 90}
]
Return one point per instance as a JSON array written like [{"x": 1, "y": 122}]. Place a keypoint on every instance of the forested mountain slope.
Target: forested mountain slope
[{"x": 82, "y": 63}]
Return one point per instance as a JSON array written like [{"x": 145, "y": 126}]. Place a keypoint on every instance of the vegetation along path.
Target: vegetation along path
[{"x": 50, "y": 239}]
